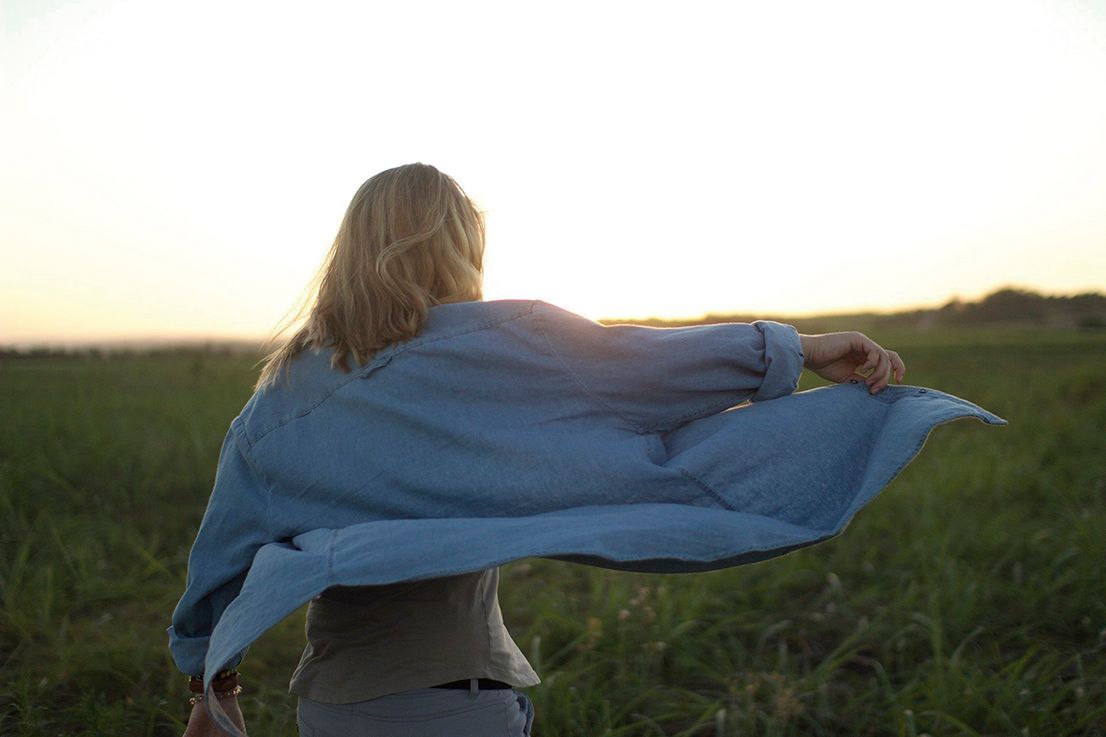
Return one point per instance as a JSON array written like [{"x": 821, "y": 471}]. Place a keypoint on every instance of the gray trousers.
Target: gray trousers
[{"x": 422, "y": 712}]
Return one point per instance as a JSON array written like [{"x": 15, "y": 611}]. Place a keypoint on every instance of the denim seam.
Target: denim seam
[
  {"x": 706, "y": 487},
  {"x": 381, "y": 359},
  {"x": 587, "y": 390},
  {"x": 416, "y": 342},
  {"x": 247, "y": 456},
  {"x": 330, "y": 559},
  {"x": 883, "y": 484},
  {"x": 304, "y": 412}
]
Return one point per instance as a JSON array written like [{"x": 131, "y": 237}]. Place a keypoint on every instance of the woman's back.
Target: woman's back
[{"x": 488, "y": 402}]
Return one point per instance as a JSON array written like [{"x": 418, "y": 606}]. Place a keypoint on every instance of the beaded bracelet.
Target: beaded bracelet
[
  {"x": 221, "y": 694},
  {"x": 223, "y": 685}
]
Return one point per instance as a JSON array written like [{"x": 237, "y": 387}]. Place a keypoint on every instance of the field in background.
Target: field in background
[{"x": 968, "y": 599}]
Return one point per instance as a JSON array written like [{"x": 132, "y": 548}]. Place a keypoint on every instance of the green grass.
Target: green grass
[{"x": 968, "y": 599}]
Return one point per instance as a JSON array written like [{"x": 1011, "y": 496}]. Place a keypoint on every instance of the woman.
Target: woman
[{"x": 411, "y": 437}]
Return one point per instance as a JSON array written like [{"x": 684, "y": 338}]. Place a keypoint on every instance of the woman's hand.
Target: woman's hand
[
  {"x": 201, "y": 725},
  {"x": 844, "y": 356}
]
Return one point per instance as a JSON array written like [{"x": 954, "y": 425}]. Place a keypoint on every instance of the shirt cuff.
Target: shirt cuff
[
  {"x": 189, "y": 653},
  {"x": 783, "y": 360}
]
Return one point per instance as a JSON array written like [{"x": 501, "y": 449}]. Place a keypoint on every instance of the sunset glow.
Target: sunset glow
[{"x": 179, "y": 170}]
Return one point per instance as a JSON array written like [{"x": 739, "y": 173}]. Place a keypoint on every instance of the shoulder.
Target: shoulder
[
  {"x": 311, "y": 379},
  {"x": 456, "y": 318}
]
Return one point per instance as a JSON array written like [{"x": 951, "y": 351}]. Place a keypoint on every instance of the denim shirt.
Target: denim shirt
[{"x": 514, "y": 428}]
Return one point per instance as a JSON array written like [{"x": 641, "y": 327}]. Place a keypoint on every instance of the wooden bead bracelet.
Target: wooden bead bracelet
[{"x": 224, "y": 685}]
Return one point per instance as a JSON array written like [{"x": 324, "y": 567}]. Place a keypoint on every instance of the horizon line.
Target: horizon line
[{"x": 194, "y": 340}]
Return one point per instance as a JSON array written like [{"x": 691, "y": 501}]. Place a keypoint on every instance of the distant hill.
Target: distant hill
[
  {"x": 1007, "y": 307},
  {"x": 1004, "y": 307}
]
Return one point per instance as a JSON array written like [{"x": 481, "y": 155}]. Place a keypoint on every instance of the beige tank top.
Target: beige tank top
[{"x": 369, "y": 641}]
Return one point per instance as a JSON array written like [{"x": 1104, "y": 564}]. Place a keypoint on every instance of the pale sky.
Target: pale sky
[{"x": 180, "y": 169}]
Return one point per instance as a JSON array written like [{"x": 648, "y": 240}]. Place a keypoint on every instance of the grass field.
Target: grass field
[{"x": 968, "y": 599}]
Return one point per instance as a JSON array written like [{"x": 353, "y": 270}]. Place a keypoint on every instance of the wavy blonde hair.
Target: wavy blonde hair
[{"x": 410, "y": 239}]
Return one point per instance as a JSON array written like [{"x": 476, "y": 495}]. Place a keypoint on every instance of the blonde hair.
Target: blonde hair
[{"x": 410, "y": 239}]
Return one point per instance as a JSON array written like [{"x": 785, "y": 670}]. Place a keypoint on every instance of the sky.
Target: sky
[{"x": 179, "y": 170}]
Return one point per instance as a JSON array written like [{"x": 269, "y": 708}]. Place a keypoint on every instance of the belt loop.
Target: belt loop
[{"x": 474, "y": 687}]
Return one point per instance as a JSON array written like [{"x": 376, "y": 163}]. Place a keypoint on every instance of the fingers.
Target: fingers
[
  {"x": 883, "y": 365},
  {"x": 897, "y": 366},
  {"x": 881, "y": 374},
  {"x": 873, "y": 354}
]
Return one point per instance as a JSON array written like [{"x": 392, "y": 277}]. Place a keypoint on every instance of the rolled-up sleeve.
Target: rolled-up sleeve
[
  {"x": 783, "y": 360},
  {"x": 235, "y": 525},
  {"x": 659, "y": 378}
]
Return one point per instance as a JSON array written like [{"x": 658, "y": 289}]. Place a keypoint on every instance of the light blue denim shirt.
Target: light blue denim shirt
[{"x": 514, "y": 428}]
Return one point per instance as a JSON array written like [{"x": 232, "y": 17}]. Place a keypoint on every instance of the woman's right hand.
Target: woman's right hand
[
  {"x": 200, "y": 723},
  {"x": 846, "y": 356}
]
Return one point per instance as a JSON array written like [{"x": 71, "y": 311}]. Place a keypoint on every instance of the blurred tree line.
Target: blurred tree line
[
  {"x": 1081, "y": 310},
  {"x": 1004, "y": 307}
]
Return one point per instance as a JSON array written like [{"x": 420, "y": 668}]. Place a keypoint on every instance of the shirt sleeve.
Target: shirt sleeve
[
  {"x": 235, "y": 525},
  {"x": 660, "y": 378}
]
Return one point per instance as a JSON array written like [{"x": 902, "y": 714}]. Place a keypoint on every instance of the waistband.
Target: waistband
[{"x": 484, "y": 684}]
